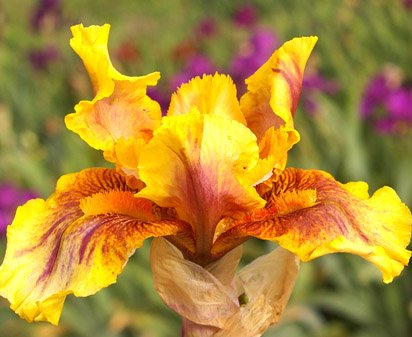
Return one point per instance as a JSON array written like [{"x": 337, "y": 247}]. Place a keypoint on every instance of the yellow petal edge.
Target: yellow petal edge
[
  {"x": 77, "y": 241},
  {"x": 121, "y": 112}
]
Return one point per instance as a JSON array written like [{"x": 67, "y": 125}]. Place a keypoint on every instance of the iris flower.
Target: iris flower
[{"x": 206, "y": 177}]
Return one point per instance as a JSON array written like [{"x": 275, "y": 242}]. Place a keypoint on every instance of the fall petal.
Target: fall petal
[
  {"x": 120, "y": 108},
  {"x": 77, "y": 241},
  {"x": 311, "y": 214}
]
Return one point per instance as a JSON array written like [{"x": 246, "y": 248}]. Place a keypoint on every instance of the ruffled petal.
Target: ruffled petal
[
  {"x": 120, "y": 109},
  {"x": 311, "y": 214},
  {"x": 274, "y": 89},
  {"x": 205, "y": 167},
  {"x": 272, "y": 97},
  {"x": 209, "y": 95},
  {"x": 77, "y": 241}
]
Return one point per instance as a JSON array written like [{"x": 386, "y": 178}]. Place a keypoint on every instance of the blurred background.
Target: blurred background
[{"x": 354, "y": 116}]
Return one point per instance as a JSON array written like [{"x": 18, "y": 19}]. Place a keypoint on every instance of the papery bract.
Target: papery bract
[{"x": 207, "y": 298}]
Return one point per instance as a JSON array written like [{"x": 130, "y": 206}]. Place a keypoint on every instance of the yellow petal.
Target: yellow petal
[
  {"x": 126, "y": 153},
  {"x": 209, "y": 95},
  {"x": 274, "y": 147},
  {"x": 120, "y": 108},
  {"x": 272, "y": 98},
  {"x": 311, "y": 214},
  {"x": 274, "y": 89},
  {"x": 205, "y": 167},
  {"x": 77, "y": 241}
]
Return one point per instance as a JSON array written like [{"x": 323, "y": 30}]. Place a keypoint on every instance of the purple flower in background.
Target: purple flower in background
[
  {"x": 375, "y": 94},
  {"x": 319, "y": 83},
  {"x": 161, "y": 96},
  {"x": 399, "y": 103},
  {"x": 41, "y": 58},
  {"x": 387, "y": 103},
  {"x": 252, "y": 55},
  {"x": 197, "y": 65},
  {"x": 314, "y": 84},
  {"x": 398, "y": 108},
  {"x": 206, "y": 28},
  {"x": 46, "y": 12},
  {"x": 407, "y": 4},
  {"x": 10, "y": 198},
  {"x": 245, "y": 16}
]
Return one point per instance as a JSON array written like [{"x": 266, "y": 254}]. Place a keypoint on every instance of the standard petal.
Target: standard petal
[
  {"x": 120, "y": 108},
  {"x": 274, "y": 89},
  {"x": 209, "y": 95},
  {"x": 205, "y": 167},
  {"x": 77, "y": 241},
  {"x": 272, "y": 97},
  {"x": 311, "y": 214}
]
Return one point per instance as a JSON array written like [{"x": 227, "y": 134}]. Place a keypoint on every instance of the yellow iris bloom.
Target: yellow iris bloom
[{"x": 207, "y": 176}]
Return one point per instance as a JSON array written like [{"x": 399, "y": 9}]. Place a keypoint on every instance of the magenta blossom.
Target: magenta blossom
[
  {"x": 375, "y": 94},
  {"x": 10, "y": 198},
  {"x": 407, "y": 4},
  {"x": 41, "y": 58},
  {"x": 44, "y": 12},
  {"x": 245, "y": 16},
  {"x": 252, "y": 55},
  {"x": 195, "y": 66},
  {"x": 313, "y": 85},
  {"x": 387, "y": 104},
  {"x": 206, "y": 28}
]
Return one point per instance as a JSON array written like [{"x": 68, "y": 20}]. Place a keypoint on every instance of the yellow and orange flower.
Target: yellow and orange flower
[{"x": 207, "y": 176}]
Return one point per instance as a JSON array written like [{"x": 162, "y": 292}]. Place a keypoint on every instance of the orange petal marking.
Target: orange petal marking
[
  {"x": 272, "y": 99},
  {"x": 120, "y": 109},
  {"x": 311, "y": 214},
  {"x": 77, "y": 241},
  {"x": 204, "y": 166}
]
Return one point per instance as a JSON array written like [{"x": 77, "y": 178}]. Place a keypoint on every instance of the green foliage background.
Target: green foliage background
[{"x": 336, "y": 296}]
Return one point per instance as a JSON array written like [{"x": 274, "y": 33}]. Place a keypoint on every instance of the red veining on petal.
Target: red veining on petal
[
  {"x": 294, "y": 79},
  {"x": 307, "y": 207}
]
